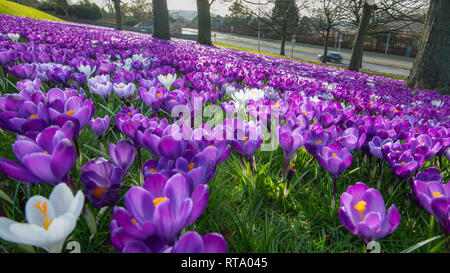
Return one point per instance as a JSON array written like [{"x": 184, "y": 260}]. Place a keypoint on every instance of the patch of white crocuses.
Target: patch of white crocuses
[
  {"x": 50, "y": 221},
  {"x": 14, "y": 37},
  {"x": 167, "y": 80},
  {"x": 229, "y": 89},
  {"x": 242, "y": 96}
]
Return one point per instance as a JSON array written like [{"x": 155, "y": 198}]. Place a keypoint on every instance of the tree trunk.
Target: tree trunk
[
  {"x": 358, "y": 45},
  {"x": 325, "y": 50},
  {"x": 283, "y": 43},
  {"x": 161, "y": 20},
  {"x": 204, "y": 22},
  {"x": 118, "y": 14},
  {"x": 65, "y": 7},
  {"x": 431, "y": 68}
]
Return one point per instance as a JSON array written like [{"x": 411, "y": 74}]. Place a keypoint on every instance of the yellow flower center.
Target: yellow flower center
[
  {"x": 152, "y": 170},
  {"x": 333, "y": 155},
  {"x": 437, "y": 194},
  {"x": 319, "y": 141},
  {"x": 45, "y": 152},
  {"x": 191, "y": 166},
  {"x": 403, "y": 163},
  {"x": 134, "y": 221},
  {"x": 361, "y": 207},
  {"x": 33, "y": 116},
  {"x": 158, "y": 200},
  {"x": 304, "y": 112},
  {"x": 43, "y": 210},
  {"x": 292, "y": 165},
  {"x": 98, "y": 192},
  {"x": 245, "y": 139},
  {"x": 70, "y": 112},
  {"x": 158, "y": 95}
]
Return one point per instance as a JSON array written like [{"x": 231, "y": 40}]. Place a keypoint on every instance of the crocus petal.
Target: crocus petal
[
  {"x": 63, "y": 158},
  {"x": 190, "y": 242},
  {"x": 214, "y": 243}
]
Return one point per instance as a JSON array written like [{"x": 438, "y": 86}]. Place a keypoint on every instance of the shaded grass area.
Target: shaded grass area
[
  {"x": 12, "y": 8},
  {"x": 397, "y": 77}
]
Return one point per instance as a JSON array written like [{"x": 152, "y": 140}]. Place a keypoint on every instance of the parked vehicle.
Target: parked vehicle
[{"x": 332, "y": 57}]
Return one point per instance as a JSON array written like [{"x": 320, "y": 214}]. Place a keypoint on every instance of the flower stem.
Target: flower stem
[
  {"x": 77, "y": 149},
  {"x": 70, "y": 183},
  {"x": 430, "y": 230},
  {"x": 286, "y": 163},
  {"x": 141, "y": 175}
]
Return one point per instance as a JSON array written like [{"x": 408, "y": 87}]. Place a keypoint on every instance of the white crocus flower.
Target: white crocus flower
[
  {"x": 315, "y": 99},
  {"x": 14, "y": 37},
  {"x": 229, "y": 90},
  {"x": 50, "y": 221},
  {"x": 437, "y": 103},
  {"x": 167, "y": 80},
  {"x": 87, "y": 70}
]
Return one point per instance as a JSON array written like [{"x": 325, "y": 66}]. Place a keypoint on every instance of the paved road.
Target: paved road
[{"x": 375, "y": 62}]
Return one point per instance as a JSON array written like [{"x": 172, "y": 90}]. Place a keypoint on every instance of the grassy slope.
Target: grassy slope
[
  {"x": 11, "y": 8},
  {"x": 306, "y": 61}
]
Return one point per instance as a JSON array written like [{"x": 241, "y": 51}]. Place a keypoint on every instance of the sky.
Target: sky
[{"x": 217, "y": 8}]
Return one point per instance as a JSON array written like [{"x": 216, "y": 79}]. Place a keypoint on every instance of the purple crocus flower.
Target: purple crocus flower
[
  {"x": 363, "y": 213},
  {"x": 290, "y": 141},
  {"x": 190, "y": 242},
  {"x": 375, "y": 146},
  {"x": 433, "y": 195},
  {"x": 6, "y": 58},
  {"x": 47, "y": 159},
  {"x": 247, "y": 137},
  {"x": 122, "y": 155},
  {"x": 24, "y": 71},
  {"x": 404, "y": 166},
  {"x": 99, "y": 126},
  {"x": 163, "y": 207},
  {"x": 59, "y": 75},
  {"x": 335, "y": 159},
  {"x": 317, "y": 139},
  {"x": 101, "y": 182},
  {"x": 424, "y": 146},
  {"x": 153, "y": 97},
  {"x": 350, "y": 138},
  {"x": 80, "y": 78},
  {"x": 195, "y": 167},
  {"x": 19, "y": 115},
  {"x": 29, "y": 86},
  {"x": 68, "y": 106},
  {"x": 167, "y": 144}
]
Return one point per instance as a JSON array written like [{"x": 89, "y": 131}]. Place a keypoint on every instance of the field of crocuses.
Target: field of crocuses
[{"x": 117, "y": 142}]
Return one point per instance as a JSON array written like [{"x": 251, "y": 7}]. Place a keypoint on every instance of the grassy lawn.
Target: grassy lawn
[{"x": 11, "y": 8}]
